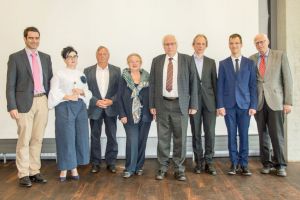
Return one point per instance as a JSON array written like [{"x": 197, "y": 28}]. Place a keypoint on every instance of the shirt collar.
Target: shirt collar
[
  {"x": 196, "y": 56},
  {"x": 233, "y": 58},
  {"x": 266, "y": 54},
  {"x": 175, "y": 57},
  {"x": 100, "y": 68},
  {"x": 29, "y": 51}
]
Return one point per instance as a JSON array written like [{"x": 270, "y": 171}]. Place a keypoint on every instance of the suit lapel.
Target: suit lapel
[
  {"x": 27, "y": 64},
  {"x": 94, "y": 80},
  {"x": 44, "y": 64},
  {"x": 231, "y": 67},
  {"x": 160, "y": 69},
  {"x": 269, "y": 64},
  {"x": 110, "y": 71},
  {"x": 204, "y": 68},
  {"x": 180, "y": 70}
]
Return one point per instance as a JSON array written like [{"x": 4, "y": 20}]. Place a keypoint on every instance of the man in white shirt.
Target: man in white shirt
[
  {"x": 173, "y": 95},
  {"x": 103, "y": 81},
  {"x": 237, "y": 102}
]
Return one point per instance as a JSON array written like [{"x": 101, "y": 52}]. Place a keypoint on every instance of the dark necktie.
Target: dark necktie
[
  {"x": 237, "y": 66},
  {"x": 169, "y": 83},
  {"x": 262, "y": 66}
]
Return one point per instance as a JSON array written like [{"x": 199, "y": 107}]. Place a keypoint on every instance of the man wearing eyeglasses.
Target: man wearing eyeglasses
[
  {"x": 173, "y": 95},
  {"x": 28, "y": 84},
  {"x": 275, "y": 92}
]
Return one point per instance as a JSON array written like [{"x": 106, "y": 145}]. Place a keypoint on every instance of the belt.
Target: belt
[
  {"x": 170, "y": 98},
  {"x": 39, "y": 95}
]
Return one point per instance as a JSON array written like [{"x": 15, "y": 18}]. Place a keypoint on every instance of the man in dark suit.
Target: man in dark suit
[
  {"x": 173, "y": 95},
  {"x": 275, "y": 97},
  {"x": 237, "y": 101},
  {"x": 103, "y": 80},
  {"x": 207, "y": 89},
  {"x": 28, "y": 82}
]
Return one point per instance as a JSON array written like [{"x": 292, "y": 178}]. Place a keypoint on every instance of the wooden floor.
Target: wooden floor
[{"x": 105, "y": 185}]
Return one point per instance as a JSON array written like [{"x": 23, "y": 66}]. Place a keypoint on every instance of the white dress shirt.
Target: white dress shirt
[
  {"x": 199, "y": 64},
  {"x": 62, "y": 84},
  {"x": 174, "y": 91},
  {"x": 233, "y": 61},
  {"x": 102, "y": 76}
]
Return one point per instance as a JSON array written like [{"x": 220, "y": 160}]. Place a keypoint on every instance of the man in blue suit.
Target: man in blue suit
[{"x": 237, "y": 102}]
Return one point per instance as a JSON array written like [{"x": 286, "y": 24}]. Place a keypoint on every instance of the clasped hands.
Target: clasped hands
[
  {"x": 76, "y": 92},
  {"x": 104, "y": 103}
]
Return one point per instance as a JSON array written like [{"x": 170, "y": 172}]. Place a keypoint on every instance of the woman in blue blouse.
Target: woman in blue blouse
[{"x": 134, "y": 113}]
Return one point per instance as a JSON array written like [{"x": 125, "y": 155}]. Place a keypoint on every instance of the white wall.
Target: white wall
[
  {"x": 292, "y": 41},
  {"x": 124, "y": 27}
]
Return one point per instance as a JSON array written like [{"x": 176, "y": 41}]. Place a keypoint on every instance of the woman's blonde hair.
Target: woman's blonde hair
[{"x": 136, "y": 55}]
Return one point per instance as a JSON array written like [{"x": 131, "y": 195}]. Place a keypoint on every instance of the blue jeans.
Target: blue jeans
[{"x": 136, "y": 140}]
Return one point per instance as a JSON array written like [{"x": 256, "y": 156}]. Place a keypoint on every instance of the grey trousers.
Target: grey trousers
[{"x": 171, "y": 122}]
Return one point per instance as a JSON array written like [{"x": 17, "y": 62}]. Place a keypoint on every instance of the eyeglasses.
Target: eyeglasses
[
  {"x": 72, "y": 57},
  {"x": 260, "y": 42},
  {"x": 170, "y": 44}
]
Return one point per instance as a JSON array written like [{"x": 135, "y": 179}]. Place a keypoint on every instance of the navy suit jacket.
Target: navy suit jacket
[
  {"x": 125, "y": 103},
  {"x": 94, "y": 111},
  {"x": 237, "y": 88}
]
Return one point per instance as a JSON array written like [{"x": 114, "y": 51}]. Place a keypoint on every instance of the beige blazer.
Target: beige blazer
[{"x": 277, "y": 85}]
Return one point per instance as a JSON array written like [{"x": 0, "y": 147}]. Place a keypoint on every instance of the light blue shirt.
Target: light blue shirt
[{"x": 199, "y": 64}]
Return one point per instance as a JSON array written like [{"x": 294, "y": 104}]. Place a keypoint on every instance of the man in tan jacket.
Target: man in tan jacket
[{"x": 275, "y": 91}]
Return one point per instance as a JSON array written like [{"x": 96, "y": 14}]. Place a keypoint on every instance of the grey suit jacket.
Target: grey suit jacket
[
  {"x": 277, "y": 85},
  {"x": 207, "y": 83},
  {"x": 94, "y": 111},
  {"x": 19, "y": 85},
  {"x": 186, "y": 80}
]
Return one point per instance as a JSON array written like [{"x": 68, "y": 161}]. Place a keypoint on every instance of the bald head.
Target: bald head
[
  {"x": 261, "y": 42},
  {"x": 170, "y": 45}
]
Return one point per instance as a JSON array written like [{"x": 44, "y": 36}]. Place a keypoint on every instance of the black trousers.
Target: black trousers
[
  {"x": 111, "y": 151},
  {"x": 270, "y": 130},
  {"x": 208, "y": 120}
]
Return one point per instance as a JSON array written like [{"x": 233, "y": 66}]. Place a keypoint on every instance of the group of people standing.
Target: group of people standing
[{"x": 178, "y": 87}]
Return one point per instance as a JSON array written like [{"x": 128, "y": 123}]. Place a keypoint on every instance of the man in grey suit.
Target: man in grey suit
[
  {"x": 173, "y": 95},
  {"x": 275, "y": 92},
  {"x": 103, "y": 81},
  {"x": 28, "y": 82},
  {"x": 207, "y": 89}
]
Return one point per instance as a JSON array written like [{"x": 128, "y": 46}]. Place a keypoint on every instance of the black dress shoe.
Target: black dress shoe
[
  {"x": 197, "y": 169},
  {"x": 180, "y": 176},
  {"x": 37, "y": 178},
  {"x": 245, "y": 171},
  {"x": 160, "y": 175},
  {"x": 233, "y": 170},
  {"x": 95, "y": 168},
  {"x": 25, "y": 182},
  {"x": 210, "y": 169},
  {"x": 111, "y": 168}
]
